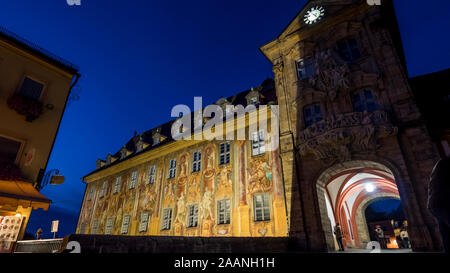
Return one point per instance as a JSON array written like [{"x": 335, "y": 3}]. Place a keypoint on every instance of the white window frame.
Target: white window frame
[
  {"x": 192, "y": 216},
  {"x": 125, "y": 224},
  {"x": 20, "y": 151},
  {"x": 95, "y": 225},
  {"x": 225, "y": 155},
  {"x": 117, "y": 184},
  {"x": 305, "y": 68},
  {"x": 258, "y": 143},
  {"x": 104, "y": 189},
  {"x": 133, "y": 180},
  {"x": 109, "y": 225},
  {"x": 167, "y": 219},
  {"x": 196, "y": 161},
  {"x": 151, "y": 174},
  {"x": 91, "y": 192},
  {"x": 224, "y": 212},
  {"x": 264, "y": 208},
  {"x": 83, "y": 228},
  {"x": 143, "y": 221},
  {"x": 172, "y": 168}
]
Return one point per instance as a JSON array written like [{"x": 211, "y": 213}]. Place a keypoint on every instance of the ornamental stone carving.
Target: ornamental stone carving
[
  {"x": 338, "y": 137},
  {"x": 331, "y": 77}
]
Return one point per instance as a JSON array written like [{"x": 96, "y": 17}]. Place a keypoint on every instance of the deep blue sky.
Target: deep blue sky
[{"x": 140, "y": 58}]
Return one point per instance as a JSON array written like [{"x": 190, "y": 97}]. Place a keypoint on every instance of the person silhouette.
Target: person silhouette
[{"x": 438, "y": 201}]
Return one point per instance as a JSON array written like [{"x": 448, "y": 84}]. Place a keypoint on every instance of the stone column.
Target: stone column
[{"x": 243, "y": 207}]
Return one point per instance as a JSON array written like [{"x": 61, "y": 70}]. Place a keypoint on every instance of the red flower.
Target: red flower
[
  {"x": 9, "y": 171},
  {"x": 26, "y": 106}
]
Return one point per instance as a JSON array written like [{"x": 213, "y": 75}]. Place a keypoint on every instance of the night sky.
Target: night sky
[{"x": 140, "y": 58}]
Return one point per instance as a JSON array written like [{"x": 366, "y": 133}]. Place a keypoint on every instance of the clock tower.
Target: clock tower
[{"x": 347, "y": 119}]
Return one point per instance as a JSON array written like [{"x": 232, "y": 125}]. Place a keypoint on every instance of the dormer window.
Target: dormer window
[
  {"x": 139, "y": 147},
  {"x": 305, "y": 68},
  {"x": 253, "y": 97}
]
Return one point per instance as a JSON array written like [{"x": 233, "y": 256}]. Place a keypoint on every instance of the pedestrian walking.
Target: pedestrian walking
[{"x": 338, "y": 233}]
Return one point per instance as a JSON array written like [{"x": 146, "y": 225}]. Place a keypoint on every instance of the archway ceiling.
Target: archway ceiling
[{"x": 350, "y": 182}]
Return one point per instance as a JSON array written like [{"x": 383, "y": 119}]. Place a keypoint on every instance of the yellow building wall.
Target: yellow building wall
[
  {"x": 239, "y": 181},
  {"x": 37, "y": 136}
]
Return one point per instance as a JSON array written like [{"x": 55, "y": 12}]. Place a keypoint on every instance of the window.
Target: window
[
  {"x": 224, "y": 153},
  {"x": 167, "y": 219},
  {"x": 109, "y": 225},
  {"x": 258, "y": 146},
  {"x": 312, "y": 114},
  {"x": 133, "y": 180},
  {"x": 104, "y": 188},
  {"x": 91, "y": 193},
  {"x": 31, "y": 88},
  {"x": 94, "y": 227},
  {"x": 364, "y": 101},
  {"x": 151, "y": 174},
  {"x": 196, "y": 164},
  {"x": 305, "y": 68},
  {"x": 254, "y": 100},
  {"x": 223, "y": 211},
  {"x": 9, "y": 149},
  {"x": 83, "y": 228},
  {"x": 117, "y": 184},
  {"x": 193, "y": 216},
  {"x": 172, "y": 168},
  {"x": 143, "y": 223},
  {"x": 261, "y": 207},
  {"x": 348, "y": 50},
  {"x": 125, "y": 224}
]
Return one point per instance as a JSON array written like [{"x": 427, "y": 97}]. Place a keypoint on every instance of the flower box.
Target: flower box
[
  {"x": 26, "y": 106},
  {"x": 9, "y": 171}
]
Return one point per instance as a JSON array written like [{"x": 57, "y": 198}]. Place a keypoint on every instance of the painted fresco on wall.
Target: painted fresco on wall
[{"x": 213, "y": 182}]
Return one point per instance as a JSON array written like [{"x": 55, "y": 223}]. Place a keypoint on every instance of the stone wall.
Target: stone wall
[{"x": 172, "y": 244}]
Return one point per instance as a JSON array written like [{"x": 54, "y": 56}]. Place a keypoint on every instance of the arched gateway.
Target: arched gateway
[
  {"x": 350, "y": 130},
  {"x": 344, "y": 192}
]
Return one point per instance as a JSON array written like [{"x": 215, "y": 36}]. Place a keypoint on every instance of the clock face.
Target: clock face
[{"x": 314, "y": 14}]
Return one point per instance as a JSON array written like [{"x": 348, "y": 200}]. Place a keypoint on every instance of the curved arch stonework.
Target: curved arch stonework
[
  {"x": 363, "y": 230},
  {"x": 328, "y": 175}
]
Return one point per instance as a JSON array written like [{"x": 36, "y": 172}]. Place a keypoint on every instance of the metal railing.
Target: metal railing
[
  {"x": 38, "y": 246},
  {"x": 39, "y": 49}
]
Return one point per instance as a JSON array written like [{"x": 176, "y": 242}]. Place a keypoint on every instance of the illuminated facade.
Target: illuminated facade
[
  {"x": 350, "y": 134},
  {"x": 157, "y": 186}
]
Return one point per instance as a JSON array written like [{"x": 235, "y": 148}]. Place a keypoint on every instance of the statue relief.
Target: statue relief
[
  {"x": 331, "y": 77},
  {"x": 206, "y": 205},
  {"x": 209, "y": 170},
  {"x": 225, "y": 183},
  {"x": 259, "y": 176},
  {"x": 181, "y": 209},
  {"x": 193, "y": 188}
]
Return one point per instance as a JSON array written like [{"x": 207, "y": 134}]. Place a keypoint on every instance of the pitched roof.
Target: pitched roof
[{"x": 268, "y": 94}]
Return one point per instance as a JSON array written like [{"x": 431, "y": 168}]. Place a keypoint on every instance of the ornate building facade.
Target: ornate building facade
[
  {"x": 157, "y": 186},
  {"x": 350, "y": 134}
]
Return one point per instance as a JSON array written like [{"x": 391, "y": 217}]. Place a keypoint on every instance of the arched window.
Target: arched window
[
  {"x": 312, "y": 114},
  {"x": 364, "y": 100}
]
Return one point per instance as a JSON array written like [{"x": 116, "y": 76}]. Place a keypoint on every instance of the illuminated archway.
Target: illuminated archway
[{"x": 344, "y": 190}]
